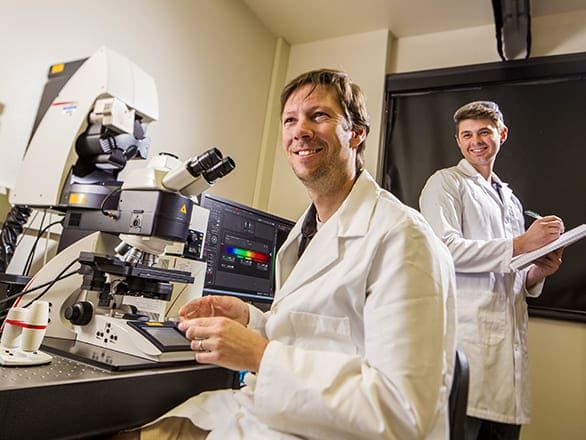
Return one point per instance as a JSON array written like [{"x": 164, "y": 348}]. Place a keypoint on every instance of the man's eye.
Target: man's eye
[
  {"x": 318, "y": 115},
  {"x": 287, "y": 121}
]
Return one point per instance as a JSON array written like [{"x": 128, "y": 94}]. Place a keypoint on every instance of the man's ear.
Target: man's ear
[
  {"x": 504, "y": 133},
  {"x": 358, "y": 136}
]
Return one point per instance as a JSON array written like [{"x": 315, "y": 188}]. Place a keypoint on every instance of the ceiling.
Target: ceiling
[{"x": 302, "y": 21}]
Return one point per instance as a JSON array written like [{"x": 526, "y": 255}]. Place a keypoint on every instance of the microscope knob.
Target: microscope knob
[{"x": 79, "y": 313}]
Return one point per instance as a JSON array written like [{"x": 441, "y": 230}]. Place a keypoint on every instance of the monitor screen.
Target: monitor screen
[{"x": 240, "y": 249}]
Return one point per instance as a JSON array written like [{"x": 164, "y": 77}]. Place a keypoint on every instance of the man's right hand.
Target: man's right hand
[
  {"x": 541, "y": 232},
  {"x": 216, "y": 305}
]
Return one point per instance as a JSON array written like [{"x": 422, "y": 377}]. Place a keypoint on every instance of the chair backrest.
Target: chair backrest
[{"x": 459, "y": 397}]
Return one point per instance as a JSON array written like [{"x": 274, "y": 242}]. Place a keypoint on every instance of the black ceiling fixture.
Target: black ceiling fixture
[{"x": 512, "y": 19}]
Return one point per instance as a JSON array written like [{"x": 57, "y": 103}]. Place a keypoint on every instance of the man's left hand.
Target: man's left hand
[
  {"x": 543, "y": 267},
  {"x": 224, "y": 342}
]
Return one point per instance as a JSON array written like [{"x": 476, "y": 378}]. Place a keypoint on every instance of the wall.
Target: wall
[
  {"x": 557, "y": 356},
  {"x": 551, "y": 35},
  {"x": 272, "y": 126},
  {"x": 363, "y": 57},
  {"x": 211, "y": 61},
  {"x": 557, "y": 349}
]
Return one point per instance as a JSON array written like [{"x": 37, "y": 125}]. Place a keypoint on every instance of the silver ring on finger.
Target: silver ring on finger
[{"x": 200, "y": 346}]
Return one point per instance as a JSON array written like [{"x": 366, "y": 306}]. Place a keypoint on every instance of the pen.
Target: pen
[{"x": 532, "y": 214}]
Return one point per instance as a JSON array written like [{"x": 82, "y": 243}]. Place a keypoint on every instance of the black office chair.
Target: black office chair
[{"x": 459, "y": 397}]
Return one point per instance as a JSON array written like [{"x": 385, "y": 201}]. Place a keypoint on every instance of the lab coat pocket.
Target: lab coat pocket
[
  {"x": 321, "y": 332},
  {"x": 477, "y": 325},
  {"x": 491, "y": 328}
]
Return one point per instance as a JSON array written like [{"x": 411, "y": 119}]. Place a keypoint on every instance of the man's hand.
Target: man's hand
[
  {"x": 215, "y": 305},
  {"x": 541, "y": 232},
  {"x": 224, "y": 342},
  {"x": 544, "y": 267}
]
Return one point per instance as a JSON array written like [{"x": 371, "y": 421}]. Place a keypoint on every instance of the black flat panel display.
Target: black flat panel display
[
  {"x": 240, "y": 249},
  {"x": 543, "y": 160}
]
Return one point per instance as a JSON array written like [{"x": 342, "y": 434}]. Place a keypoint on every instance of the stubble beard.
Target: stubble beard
[{"x": 323, "y": 180}]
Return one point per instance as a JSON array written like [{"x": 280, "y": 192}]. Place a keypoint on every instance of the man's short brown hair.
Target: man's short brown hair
[{"x": 480, "y": 110}]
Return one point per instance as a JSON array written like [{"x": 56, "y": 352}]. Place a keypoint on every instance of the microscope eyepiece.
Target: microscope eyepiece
[
  {"x": 204, "y": 162},
  {"x": 222, "y": 168},
  {"x": 196, "y": 175}
]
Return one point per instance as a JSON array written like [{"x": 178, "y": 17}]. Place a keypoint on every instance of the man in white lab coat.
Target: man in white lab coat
[
  {"x": 480, "y": 220},
  {"x": 360, "y": 340}
]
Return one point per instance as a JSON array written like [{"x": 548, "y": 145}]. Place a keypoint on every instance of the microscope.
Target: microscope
[{"x": 112, "y": 281}]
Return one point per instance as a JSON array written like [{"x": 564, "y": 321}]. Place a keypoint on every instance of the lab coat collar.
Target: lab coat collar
[
  {"x": 356, "y": 211},
  {"x": 352, "y": 219},
  {"x": 466, "y": 168}
]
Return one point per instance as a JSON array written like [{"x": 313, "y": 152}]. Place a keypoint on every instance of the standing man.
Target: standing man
[
  {"x": 360, "y": 340},
  {"x": 480, "y": 220}
]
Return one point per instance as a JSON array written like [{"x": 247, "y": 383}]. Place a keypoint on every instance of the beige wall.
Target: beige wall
[
  {"x": 552, "y": 35},
  {"x": 557, "y": 349},
  {"x": 272, "y": 126},
  {"x": 557, "y": 356},
  {"x": 4, "y": 207},
  {"x": 211, "y": 61},
  {"x": 363, "y": 56}
]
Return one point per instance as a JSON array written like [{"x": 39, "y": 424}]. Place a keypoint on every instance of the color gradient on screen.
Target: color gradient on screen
[{"x": 247, "y": 254}]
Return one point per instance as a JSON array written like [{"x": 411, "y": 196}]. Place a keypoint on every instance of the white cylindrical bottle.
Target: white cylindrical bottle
[
  {"x": 36, "y": 326},
  {"x": 11, "y": 335}
]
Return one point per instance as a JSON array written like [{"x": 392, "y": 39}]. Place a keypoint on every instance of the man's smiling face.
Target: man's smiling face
[
  {"x": 479, "y": 141},
  {"x": 317, "y": 139}
]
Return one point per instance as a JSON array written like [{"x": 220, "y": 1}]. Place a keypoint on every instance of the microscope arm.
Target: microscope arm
[{"x": 107, "y": 90}]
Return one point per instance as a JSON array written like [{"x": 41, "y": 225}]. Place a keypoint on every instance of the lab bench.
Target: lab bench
[{"x": 73, "y": 399}]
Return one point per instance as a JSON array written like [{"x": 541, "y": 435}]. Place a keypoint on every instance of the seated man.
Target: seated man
[{"x": 360, "y": 340}]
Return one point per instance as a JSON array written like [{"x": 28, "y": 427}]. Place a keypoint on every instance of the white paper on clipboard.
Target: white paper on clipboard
[{"x": 566, "y": 239}]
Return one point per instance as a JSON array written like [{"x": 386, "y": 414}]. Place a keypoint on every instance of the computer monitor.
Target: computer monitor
[{"x": 240, "y": 248}]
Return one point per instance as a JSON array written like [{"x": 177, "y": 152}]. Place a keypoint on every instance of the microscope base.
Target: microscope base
[{"x": 18, "y": 358}]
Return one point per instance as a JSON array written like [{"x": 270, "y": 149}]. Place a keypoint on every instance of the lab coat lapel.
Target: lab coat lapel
[
  {"x": 321, "y": 252},
  {"x": 287, "y": 255},
  {"x": 506, "y": 193},
  {"x": 508, "y": 204},
  {"x": 491, "y": 192},
  {"x": 351, "y": 220},
  {"x": 469, "y": 170}
]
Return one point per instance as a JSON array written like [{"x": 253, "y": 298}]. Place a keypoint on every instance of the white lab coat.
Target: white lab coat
[
  {"x": 362, "y": 334},
  {"x": 467, "y": 214}
]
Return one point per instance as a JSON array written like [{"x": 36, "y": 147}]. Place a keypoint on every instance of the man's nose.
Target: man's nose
[
  {"x": 477, "y": 138},
  {"x": 303, "y": 129}
]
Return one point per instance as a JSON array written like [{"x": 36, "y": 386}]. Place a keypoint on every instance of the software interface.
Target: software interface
[{"x": 240, "y": 249}]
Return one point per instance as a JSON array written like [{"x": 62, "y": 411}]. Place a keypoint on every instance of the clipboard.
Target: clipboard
[{"x": 567, "y": 238}]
